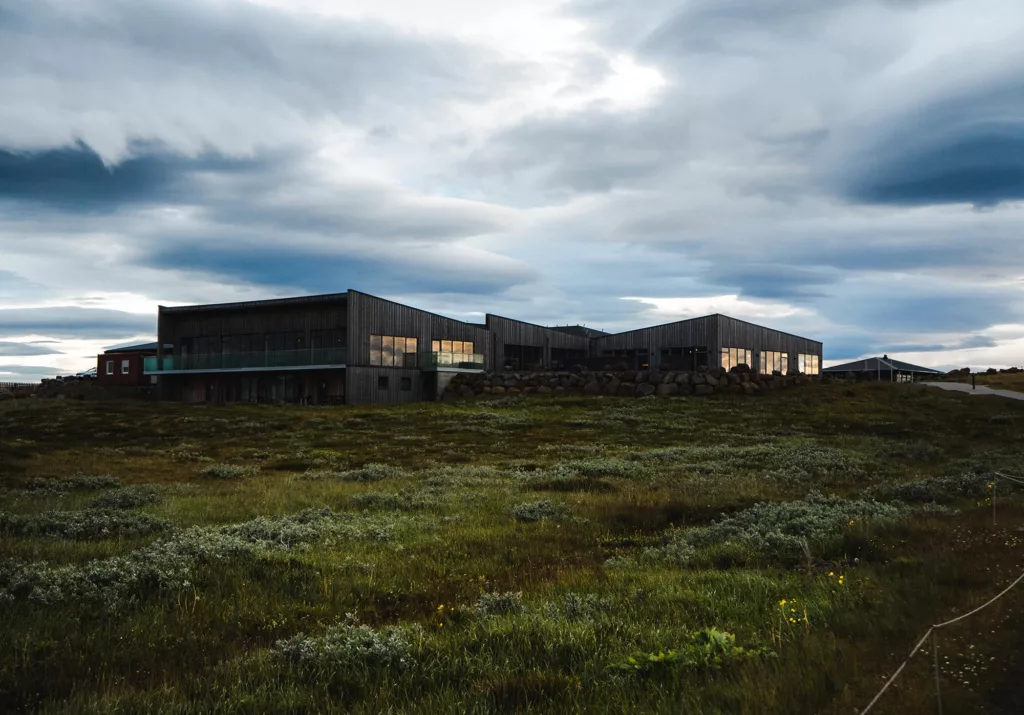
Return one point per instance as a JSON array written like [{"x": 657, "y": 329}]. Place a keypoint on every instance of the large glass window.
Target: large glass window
[
  {"x": 772, "y": 361},
  {"x": 809, "y": 364},
  {"x": 731, "y": 357},
  {"x": 452, "y": 352},
  {"x": 392, "y": 351}
]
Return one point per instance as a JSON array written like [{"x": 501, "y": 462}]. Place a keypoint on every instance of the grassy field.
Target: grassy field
[
  {"x": 1003, "y": 381},
  {"x": 729, "y": 555}
]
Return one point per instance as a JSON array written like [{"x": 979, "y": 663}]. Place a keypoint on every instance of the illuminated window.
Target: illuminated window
[
  {"x": 772, "y": 361},
  {"x": 392, "y": 351},
  {"x": 452, "y": 352},
  {"x": 125, "y": 367},
  {"x": 731, "y": 357},
  {"x": 809, "y": 364}
]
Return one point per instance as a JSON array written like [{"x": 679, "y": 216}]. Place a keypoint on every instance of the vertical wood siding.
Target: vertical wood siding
[
  {"x": 741, "y": 334},
  {"x": 362, "y": 385},
  {"x": 713, "y": 332},
  {"x": 506, "y": 331},
  {"x": 698, "y": 332},
  {"x": 369, "y": 315},
  {"x": 257, "y": 317}
]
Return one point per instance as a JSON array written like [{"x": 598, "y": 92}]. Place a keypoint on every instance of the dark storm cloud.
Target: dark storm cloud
[
  {"x": 73, "y": 322},
  {"x": 329, "y": 272},
  {"x": 75, "y": 178},
  {"x": 8, "y": 349},
  {"x": 963, "y": 149},
  {"x": 771, "y": 281}
]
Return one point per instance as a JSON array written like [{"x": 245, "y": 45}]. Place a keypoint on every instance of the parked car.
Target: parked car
[{"x": 89, "y": 374}]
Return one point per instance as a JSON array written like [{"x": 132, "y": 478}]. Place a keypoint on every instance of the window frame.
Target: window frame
[
  {"x": 110, "y": 367},
  {"x": 383, "y": 382},
  {"x": 126, "y": 367},
  {"x": 405, "y": 384}
]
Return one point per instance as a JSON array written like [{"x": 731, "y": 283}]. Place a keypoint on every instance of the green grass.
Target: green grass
[{"x": 598, "y": 555}]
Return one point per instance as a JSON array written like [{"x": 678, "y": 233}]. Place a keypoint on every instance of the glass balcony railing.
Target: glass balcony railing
[
  {"x": 457, "y": 361},
  {"x": 242, "y": 361}
]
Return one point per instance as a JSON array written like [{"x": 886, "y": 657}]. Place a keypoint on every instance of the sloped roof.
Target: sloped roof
[
  {"x": 580, "y": 330},
  {"x": 884, "y": 363},
  {"x": 143, "y": 348}
]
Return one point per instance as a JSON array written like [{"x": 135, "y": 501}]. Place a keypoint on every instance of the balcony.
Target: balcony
[
  {"x": 246, "y": 362},
  {"x": 451, "y": 362}
]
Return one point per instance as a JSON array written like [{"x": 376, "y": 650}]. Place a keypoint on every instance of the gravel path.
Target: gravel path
[{"x": 981, "y": 390}]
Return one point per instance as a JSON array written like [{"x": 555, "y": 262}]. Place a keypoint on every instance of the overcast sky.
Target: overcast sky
[{"x": 850, "y": 170}]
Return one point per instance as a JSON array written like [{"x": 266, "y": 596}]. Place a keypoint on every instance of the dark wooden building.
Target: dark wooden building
[
  {"x": 710, "y": 341},
  {"x": 356, "y": 348}
]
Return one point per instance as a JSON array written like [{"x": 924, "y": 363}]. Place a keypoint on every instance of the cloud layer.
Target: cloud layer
[{"x": 851, "y": 171}]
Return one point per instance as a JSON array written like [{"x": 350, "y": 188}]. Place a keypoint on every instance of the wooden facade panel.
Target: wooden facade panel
[
  {"x": 698, "y": 332},
  {"x": 364, "y": 385},
  {"x": 370, "y": 315},
  {"x": 757, "y": 338},
  {"x": 506, "y": 331},
  {"x": 251, "y": 318}
]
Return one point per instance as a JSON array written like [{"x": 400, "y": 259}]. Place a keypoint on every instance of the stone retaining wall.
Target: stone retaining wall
[{"x": 642, "y": 383}]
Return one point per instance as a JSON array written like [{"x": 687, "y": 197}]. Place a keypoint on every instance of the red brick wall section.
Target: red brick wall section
[{"x": 134, "y": 375}]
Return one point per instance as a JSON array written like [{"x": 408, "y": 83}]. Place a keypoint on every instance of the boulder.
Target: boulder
[
  {"x": 592, "y": 388},
  {"x": 683, "y": 378},
  {"x": 628, "y": 376},
  {"x": 627, "y": 389},
  {"x": 559, "y": 391},
  {"x": 612, "y": 386},
  {"x": 645, "y": 389},
  {"x": 498, "y": 390},
  {"x": 544, "y": 390},
  {"x": 667, "y": 388},
  {"x": 466, "y": 391},
  {"x": 669, "y": 377},
  {"x": 703, "y": 390},
  {"x": 711, "y": 380},
  {"x": 642, "y": 376}
]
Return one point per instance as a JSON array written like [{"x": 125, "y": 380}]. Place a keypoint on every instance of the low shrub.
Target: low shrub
[
  {"x": 346, "y": 649},
  {"x": 86, "y": 525},
  {"x": 579, "y": 606},
  {"x": 405, "y": 500},
  {"x": 500, "y": 604},
  {"x": 372, "y": 472},
  {"x": 537, "y": 511},
  {"x": 76, "y": 482},
  {"x": 308, "y": 526},
  {"x": 169, "y": 564},
  {"x": 228, "y": 471},
  {"x": 942, "y": 489},
  {"x": 779, "y": 529},
  {"x": 130, "y": 497}
]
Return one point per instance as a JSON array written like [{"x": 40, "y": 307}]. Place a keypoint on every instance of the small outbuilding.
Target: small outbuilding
[{"x": 884, "y": 369}]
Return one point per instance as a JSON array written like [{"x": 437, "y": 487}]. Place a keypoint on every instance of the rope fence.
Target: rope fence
[{"x": 931, "y": 632}]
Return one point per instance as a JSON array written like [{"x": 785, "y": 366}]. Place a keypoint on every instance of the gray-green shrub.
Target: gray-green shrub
[
  {"x": 85, "y": 525},
  {"x": 129, "y": 497}
]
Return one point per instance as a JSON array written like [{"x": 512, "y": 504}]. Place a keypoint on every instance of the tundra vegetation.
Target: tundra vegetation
[{"x": 778, "y": 554}]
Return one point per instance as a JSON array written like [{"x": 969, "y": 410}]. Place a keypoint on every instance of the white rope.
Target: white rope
[
  {"x": 930, "y": 630},
  {"x": 897, "y": 673},
  {"x": 983, "y": 606},
  {"x": 1018, "y": 480}
]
